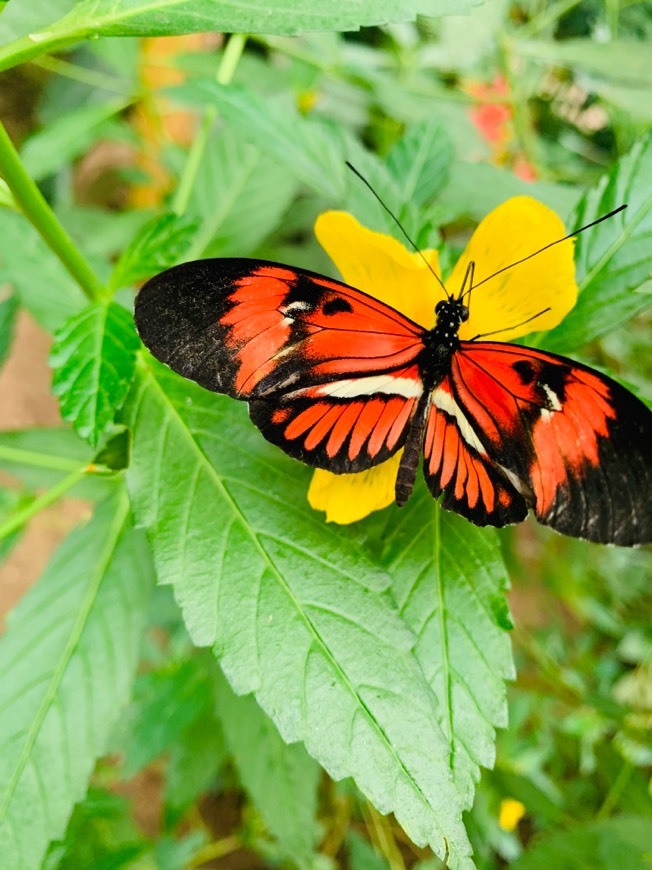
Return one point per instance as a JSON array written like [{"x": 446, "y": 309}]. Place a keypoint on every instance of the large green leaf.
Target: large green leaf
[
  {"x": 292, "y": 609},
  {"x": 310, "y": 150},
  {"x": 67, "y": 661},
  {"x": 449, "y": 582},
  {"x": 281, "y": 780},
  {"x": 41, "y": 283},
  {"x": 90, "y": 18},
  {"x": 613, "y": 259},
  {"x": 93, "y": 356},
  {"x": 239, "y": 197}
]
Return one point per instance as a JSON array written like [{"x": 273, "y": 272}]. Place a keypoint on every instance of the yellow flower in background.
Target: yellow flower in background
[
  {"x": 382, "y": 267},
  {"x": 510, "y": 814}
]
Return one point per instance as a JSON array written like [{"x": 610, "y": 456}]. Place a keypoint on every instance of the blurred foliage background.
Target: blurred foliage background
[{"x": 534, "y": 97}]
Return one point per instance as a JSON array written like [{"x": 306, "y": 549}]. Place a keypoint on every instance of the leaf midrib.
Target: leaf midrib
[
  {"x": 117, "y": 525},
  {"x": 288, "y": 591}
]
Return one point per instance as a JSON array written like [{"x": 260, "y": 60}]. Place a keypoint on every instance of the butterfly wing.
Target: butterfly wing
[
  {"x": 330, "y": 373},
  {"x": 457, "y": 464},
  {"x": 571, "y": 442}
]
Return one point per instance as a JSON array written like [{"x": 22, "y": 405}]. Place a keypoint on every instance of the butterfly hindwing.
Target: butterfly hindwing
[
  {"x": 575, "y": 443},
  {"x": 341, "y": 436},
  {"x": 254, "y": 329},
  {"x": 457, "y": 464}
]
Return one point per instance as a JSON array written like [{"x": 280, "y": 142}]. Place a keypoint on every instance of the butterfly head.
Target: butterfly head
[{"x": 451, "y": 313}]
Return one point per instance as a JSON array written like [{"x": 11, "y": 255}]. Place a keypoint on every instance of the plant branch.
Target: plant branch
[
  {"x": 35, "y": 208},
  {"x": 230, "y": 57},
  {"x": 54, "y": 494}
]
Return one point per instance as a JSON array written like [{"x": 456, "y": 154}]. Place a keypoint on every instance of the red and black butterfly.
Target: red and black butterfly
[{"x": 341, "y": 381}]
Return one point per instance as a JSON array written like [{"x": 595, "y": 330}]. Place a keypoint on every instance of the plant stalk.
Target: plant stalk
[{"x": 35, "y": 208}]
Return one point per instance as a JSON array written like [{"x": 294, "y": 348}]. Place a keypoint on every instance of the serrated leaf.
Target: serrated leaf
[
  {"x": 8, "y": 313},
  {"x": 159, "y": 244},
  {"x": 67, "y": 661},
  {"x": 449, "y": 583},
  {"x": 41, "y": 283},
  {"x": 293, "y": 611},
  {"x": 614, "y": 258},
  {"x": 280, "y": 779},
  {"x": 171, "y": 17},
  {"x": 239, "y": 197},
  {"x": 93, "y": 357},
  {"x": 420, "y": 161},
  {"x": 66, "y": 137}
]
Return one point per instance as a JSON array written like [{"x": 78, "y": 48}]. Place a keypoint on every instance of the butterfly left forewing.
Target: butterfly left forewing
[
  {"x": 254, "y": 329},
  {"x": 575, "y": 442}
]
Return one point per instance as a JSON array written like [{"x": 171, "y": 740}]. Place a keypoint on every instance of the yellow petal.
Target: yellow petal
[
  {"x": 347, "y": 498},
  {"x": 380, "y": 266},
  {"x": 511, "y": 813},
  {"x": 510, "y": 232}
]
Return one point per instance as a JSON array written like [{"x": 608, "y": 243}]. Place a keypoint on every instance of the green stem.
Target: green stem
[
  {"x": 18, "y": 456},
  {"x": 230, "y": 57},
  {"x": 33, "y": 205},
  {"x": 23, "y": 516}
]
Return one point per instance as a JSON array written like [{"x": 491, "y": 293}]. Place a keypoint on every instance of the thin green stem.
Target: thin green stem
[
  {"x": 615, "y": 792},
  {"x": 82, "y": 74},
  {"x": 34, "y": 459},
  {"x": 230, "y": 58},
  {"x": 54, "y": 494},
  {"x": 33, "y": 205}
]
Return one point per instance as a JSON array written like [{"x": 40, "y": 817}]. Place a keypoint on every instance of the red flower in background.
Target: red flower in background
[{"x": 493, "y": 116}]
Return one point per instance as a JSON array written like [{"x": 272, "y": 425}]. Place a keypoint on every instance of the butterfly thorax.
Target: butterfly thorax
[{"x": 442, "y": 341}]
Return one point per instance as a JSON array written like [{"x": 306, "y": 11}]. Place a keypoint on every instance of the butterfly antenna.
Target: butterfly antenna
[
  {"x": 514, "y": 326},
  {"x": 551, "y": 244},
  {"x": 398, "y": 224},
  {"x": 468, "y": 276}
]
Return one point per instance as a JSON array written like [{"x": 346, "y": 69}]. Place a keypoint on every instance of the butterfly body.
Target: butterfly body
[{"x": 341, "y": 381}]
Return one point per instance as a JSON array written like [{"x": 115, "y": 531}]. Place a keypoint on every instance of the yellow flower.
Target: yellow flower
[
  {"x": 511, "y": 813},
  {"x": 384, "y": 268}
]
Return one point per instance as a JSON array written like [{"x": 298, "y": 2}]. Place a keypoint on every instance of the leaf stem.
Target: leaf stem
[
  {"x": 35, "y": 208},
  {"x": 230, "y": 58},
  {"x": 25, "y": 514}
]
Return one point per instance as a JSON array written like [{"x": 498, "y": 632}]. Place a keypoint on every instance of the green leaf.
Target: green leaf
[
  {"x": 292, "y": 610},
  {"x": 159, "y": 244},
  {"x": 312, "y": 151},
  {"x": 195, "y": 759},
  {"x": 67, "y": 661},
  {"x": 621, "y": 842},
  {"x": 362, "y": 855},
  {"x": 239, "y": 197},
  {"x": 11, "y": 501},
  {"x": 41, "y": 283},
  {"x": 420, "y": 161},
  {"x": 165, "y": 704},
  {"x": 8, "y": 313},
  {"x": 281, "y": 780},
  {"x": 614, "y": 258},
  {"x": 621, "y": 59},
  {"x": 19, "y": 19},
  {"x": 90, "y": 18},
  {"x": 66, "y": 138},
  {"x": 93, "y": 357},
  {"x": 449, "y": 584}
]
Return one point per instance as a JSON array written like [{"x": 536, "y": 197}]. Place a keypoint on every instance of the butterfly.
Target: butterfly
[{"x": 342, "y": 381}]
